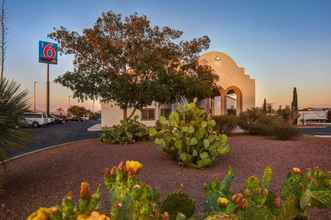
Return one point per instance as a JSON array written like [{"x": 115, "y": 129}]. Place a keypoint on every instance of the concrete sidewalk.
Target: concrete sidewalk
[{"x": 96, "y": 127}]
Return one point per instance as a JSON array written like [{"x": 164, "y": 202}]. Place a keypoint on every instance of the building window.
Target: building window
[
  {"x": 165, "y": 112},
  {"x": 218, "y": 58},
  {"x": 148, "y": 114}
]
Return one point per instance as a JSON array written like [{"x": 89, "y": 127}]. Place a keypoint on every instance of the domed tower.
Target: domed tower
[{"x": 236, "y": 90}]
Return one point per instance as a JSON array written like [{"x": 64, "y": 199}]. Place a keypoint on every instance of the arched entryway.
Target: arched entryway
[
  {"x": 232, "y": 100},
  {"x": 223, "y": 102}
]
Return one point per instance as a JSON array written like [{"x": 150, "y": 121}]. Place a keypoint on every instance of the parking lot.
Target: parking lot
[
  {"x": 56, "y": 134},
  {"x": 77, "y": 130},
  {"x": 317, "y": 131}
]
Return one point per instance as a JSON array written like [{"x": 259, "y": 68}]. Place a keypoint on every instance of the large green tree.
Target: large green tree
[{"x": 131, "y": 62}]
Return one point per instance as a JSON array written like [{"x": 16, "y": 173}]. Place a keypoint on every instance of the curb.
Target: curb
[
  {"x": 322, "y": 136},
  {"x": 43, "y": 149}
]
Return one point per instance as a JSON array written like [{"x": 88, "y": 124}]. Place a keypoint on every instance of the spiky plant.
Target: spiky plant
[{"x": 13, "y": 103}]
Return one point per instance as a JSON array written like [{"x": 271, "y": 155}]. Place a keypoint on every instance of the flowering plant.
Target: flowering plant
[
  {"x": 300, "y": 192},
  {"x": 85, "y": 209},
  {"x": 129, "y": 197}
]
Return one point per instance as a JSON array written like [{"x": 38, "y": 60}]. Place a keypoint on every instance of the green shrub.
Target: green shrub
[
  {"x": 255, "y": 122},
  {"x": 127, "y": 132},
  {"x": 300, "y": 192},
  {"x": 178, "y": 202},
  {"x": 264, "y": 125},
  {"x": 249, "y": 117},
  {"x": 226, "y": 123},
  {"x": 189, "y": 137},
  {"x": 286, "y": 131}
]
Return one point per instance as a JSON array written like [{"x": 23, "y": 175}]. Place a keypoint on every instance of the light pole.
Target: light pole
[
  {"x": 68, "y": 103},
  {"x": 35, "y": 96}
]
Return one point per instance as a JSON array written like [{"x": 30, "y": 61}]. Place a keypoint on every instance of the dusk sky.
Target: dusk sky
[{"x": 281, "y": 44}]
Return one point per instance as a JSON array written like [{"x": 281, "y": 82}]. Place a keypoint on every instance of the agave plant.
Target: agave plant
[{"x": 13, "y": 103}]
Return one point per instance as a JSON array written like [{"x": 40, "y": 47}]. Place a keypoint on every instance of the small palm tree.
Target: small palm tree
[{"x": 13, "y": 104}]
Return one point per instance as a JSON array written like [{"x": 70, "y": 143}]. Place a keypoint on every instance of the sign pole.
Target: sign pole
[
  {"x": 48, "y": 55},
  {"x": 47, "y": 91}
]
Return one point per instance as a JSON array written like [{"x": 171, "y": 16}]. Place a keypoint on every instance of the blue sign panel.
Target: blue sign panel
[{"x": 47, "y": 52}]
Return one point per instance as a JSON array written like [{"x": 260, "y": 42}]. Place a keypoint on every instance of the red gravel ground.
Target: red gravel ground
[{"x": 43, "y": 178}]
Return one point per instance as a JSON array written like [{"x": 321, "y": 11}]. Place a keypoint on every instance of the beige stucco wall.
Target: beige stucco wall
[
  {"x": 112, "y": 114},
  {"x": 230, "y": 76}
]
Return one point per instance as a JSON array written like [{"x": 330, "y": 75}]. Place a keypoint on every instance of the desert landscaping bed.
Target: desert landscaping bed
[{"x": 43, "y": 178}]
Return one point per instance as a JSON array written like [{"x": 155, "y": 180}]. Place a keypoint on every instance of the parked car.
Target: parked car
[
  {"x": 85, "y": 118},
  {"x": 57, "y": 120},
  {"x": 35, "y": 119},
  {"x": 50, "y": 120},
  {"x": 73, "y": 118}
]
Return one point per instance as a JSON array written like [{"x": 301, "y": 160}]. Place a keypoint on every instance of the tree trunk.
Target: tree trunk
[
  {"x": 125, "y": 113},
  {"x": 132, "y": 113}
]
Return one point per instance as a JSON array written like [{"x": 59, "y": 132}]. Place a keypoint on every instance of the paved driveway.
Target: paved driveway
[{"x": 56, "y": 134}]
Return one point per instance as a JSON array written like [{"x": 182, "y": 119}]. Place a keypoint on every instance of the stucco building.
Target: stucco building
[{"x": 235, "y": 93}]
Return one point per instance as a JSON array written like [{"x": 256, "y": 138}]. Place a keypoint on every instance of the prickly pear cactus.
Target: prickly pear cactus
[
  {"x": 85, "y": 209},
  {"x": 178, "y": 203},
  {"x": 300, "y": 192},
  {"x": 130, "y": 198},
  {"x": 190, "y": 137}
]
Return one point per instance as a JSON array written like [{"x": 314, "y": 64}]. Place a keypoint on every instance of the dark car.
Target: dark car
[{"x": 57, "y": 119}]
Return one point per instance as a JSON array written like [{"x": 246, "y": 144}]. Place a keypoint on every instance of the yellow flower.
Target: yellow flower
[
  {"x": 296, "y": 170},
  {"x": 84, "y": 190},
  {"x": 42, "y": 214},
  {"x": 133, "y": 167},
  {"x": 222, "y": 201},
  {"x": 93, "y": 216}
]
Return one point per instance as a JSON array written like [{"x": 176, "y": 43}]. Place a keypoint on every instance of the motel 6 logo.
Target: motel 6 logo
[{"x": 48, "y": 52}]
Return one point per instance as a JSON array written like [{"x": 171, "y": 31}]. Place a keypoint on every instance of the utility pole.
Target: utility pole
[
  {"x": 35, "y": 96},
  {"x": 3, "y": 43},
  {"x": 68, "y": 103}
]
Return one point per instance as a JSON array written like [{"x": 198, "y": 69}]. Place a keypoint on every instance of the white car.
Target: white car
[
  {"x": 85, "y": 118},
  {"x": 35, "y": 119},
  {"x": 50, "y": 120}
]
